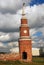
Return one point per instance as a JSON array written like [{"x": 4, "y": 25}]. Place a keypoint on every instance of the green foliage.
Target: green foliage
[{"x": 36, "y": 61}]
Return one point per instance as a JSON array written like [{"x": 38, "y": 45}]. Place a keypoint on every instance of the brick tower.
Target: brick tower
[{"x": 25, "y": 45}]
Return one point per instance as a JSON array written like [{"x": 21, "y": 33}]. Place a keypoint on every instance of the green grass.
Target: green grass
[{"x": 36, "y": 61}]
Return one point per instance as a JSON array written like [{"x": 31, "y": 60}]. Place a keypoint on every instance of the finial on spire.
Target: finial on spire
[
  {"x": 23, "y": 13},
  {"x": 23, "y": 4}
]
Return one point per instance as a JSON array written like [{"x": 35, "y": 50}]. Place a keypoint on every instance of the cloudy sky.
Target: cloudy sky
[{"x": 10, "y": 15}]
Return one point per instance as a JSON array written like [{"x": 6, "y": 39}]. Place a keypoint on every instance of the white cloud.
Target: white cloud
[
  {"x": 4, "y": 37},
  {"x": 1, "y": 44},
  {"x": 15, "y": 50},
  {"x": 14, "y": 35},
  {"x": 11, "y": 22},
  {"x": 35, "y": 15},
  {"x": 13, "y": 44},
  {"x": 32, "y": 31},
  {"x": 14, "y": 5}
]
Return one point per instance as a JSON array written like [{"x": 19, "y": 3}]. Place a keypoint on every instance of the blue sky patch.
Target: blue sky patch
[
  {"x": 38, "y": 34},
  {"x": 33, "y": 2}
]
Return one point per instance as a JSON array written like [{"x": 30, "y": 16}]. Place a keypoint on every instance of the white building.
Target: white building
[{"x": 35, "y": 51}]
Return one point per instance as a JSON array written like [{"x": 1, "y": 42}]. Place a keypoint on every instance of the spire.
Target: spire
[
  {"x": 23, "y": 9},
  {"x": 23, "y": 12}
]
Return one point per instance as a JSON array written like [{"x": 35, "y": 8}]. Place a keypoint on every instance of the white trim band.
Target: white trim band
[
  {"x": 24, "y": 39},
  {"x": 24, "y": 25},
  {"x": 24, "y": 36}
]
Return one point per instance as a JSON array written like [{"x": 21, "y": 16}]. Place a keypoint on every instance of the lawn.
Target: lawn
[{"x": 36, "y": 61}]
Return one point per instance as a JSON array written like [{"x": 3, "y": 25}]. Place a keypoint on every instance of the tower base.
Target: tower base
[{"x": 25, "y": 50}]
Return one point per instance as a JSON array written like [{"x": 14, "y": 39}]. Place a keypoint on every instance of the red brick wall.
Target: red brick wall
[
  {"x": 26, "y": 46},
  {"x": 25, "y": 43},
  {"x": 23, "y": 21},
  {"x": 22, "y": 31}
]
